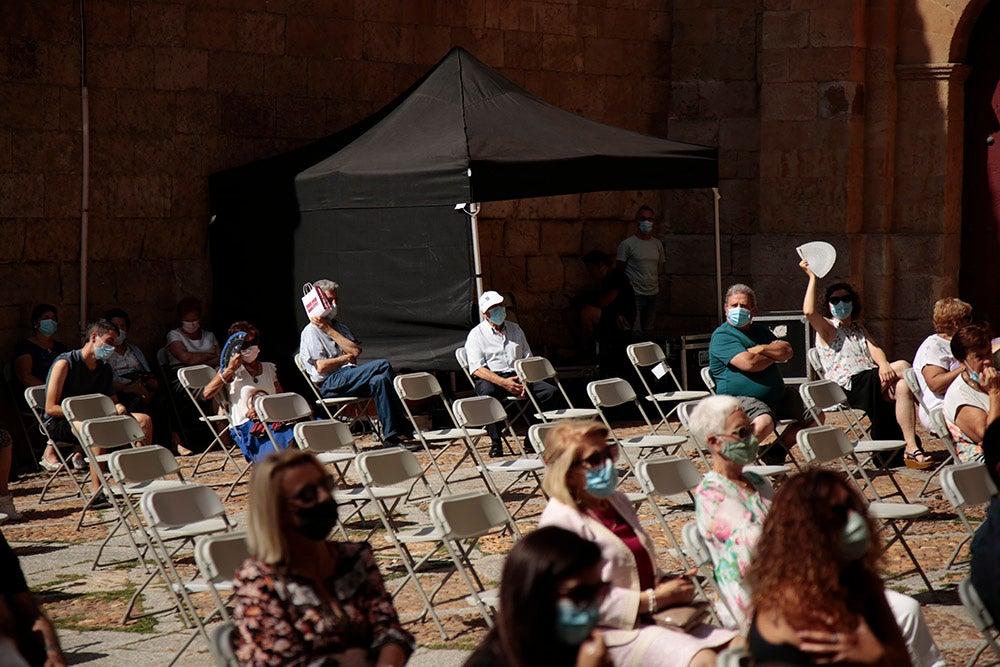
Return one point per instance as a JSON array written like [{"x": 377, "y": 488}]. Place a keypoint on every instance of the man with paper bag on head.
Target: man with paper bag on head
[{"x": 330, "y": 353}]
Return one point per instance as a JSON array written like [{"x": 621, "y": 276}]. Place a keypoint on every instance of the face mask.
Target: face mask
[
  {"x": 103, "y": 351},
  {"x": 646, "y": 226},
  {"x": 574, "y": 624},
  {"x": 741, "y": 451},
  {"x": 333, "y": 311},
  {"x": 855, "y": 539},
  {"x": 47, "y": 327},
  {"x": 738, "y": 316},
  {"x": 498, "y": 315},
  {"x": 974, "y": 376},
  {"x": 603, "y": 481},
  {"x": 317, "y": 521},
  {"x": 842, "y": 309},
  {"x": 249, "y": 355},
  {"x": 190, "y": 327},
  {"x": 121, "y": 338}
]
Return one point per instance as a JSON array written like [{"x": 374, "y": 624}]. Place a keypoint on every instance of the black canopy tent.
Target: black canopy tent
[{"x": 389, "y": 213}]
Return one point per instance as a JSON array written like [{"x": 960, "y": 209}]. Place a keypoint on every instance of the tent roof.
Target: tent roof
[{"x": 465, "y": 133}]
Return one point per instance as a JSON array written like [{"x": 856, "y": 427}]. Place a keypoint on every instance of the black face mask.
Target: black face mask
[{"x": 317, "y": 521}]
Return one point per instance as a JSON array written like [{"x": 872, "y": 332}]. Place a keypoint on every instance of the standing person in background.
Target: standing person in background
[{"x": 642, "y": 257}]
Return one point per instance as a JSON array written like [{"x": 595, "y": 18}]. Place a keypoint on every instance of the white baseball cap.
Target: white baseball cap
[{"x": 488, "y": 300}]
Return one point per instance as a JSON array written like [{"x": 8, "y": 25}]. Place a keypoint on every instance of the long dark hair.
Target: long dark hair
[{"x": 525, "y": 632}]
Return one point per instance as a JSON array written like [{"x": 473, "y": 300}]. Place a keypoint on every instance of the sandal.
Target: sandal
[{"x": 918, "y": 459}]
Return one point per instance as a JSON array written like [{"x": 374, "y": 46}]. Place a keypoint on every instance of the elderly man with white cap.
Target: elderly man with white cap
[{"x": 492, "y": 347}]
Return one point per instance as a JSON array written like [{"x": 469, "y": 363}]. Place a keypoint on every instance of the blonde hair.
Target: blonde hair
[
  {"x": 562, "y": 443},
  {"x": 265, "y": 536},
  {"x": 949, "y": 313}
]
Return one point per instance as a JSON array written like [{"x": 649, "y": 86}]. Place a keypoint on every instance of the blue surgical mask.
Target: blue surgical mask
[
  {"x": 574, "y": 624},
  {"x": 498, "y": 315},
  {"x": 738, "y": 316},
  {"x": 102, "y": 351},
  {"x": 742, "y": 451},
  {"x": 47, "y": 327},
  {"x": 646, "y": 226},
  {"x": 855, "y": 539},
  {"x": 121, "y": 338},
  {"x": 974, "y": 376},
  {"x": 841, "y": 310},
  {"x": 602, "y": 482}
]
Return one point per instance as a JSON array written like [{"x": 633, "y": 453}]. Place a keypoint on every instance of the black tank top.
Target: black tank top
[{"x": 766, "y": 653}]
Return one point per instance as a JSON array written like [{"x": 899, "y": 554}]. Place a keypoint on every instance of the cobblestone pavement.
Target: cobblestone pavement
[{"x": 87, "y": 604}]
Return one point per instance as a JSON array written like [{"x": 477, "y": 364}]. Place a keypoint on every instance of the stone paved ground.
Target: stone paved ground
[{"x": 87, "y": 604}]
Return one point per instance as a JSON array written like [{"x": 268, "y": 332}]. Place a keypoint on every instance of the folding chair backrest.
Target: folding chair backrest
[
  {"x": 88, "y": 406},
  {"x": 694, "y": 544},
  {"x": 219, "y": 556},
  {"x": 684, "y": 411},
  {"x": 706, "y": 377},
  {"x": 468, "y": 515},
  {"x": 35, "y": 398},
  {"x": 286, "y": 407},
  {"x": 822, "y": 394},
  {"x": 386, "y": 467},
  {"x": 668, "y": 476},
  {"x": 111, "y": 431},
  {"x": 221, "y": 645},
  {"x": 939, "y": 427},
  {"x": 534, "y": 369},
  {"x": 537, "y": 434},
  {"x": 610, "y": 393},
  {"x": 813, "y": 356},
  {"x": 973, "y": 604},
  {"x": 194, "y": 378},
  {"x": 822, "y": 444},
  {"x": 142, "y": 464},
  {"x": 180, "y": 506},
  {"x": 967, "y": 484},
  {"x": 910, "y": 376},
  {"x": 645, "y": 354},
  {"x": 478, "y": 411},
  {"x": 323, "y": 436},
  {"x": 462, "y": 357},
  {"x": 416, "y": 386}
]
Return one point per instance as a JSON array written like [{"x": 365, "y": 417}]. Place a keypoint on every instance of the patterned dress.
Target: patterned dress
[
  {"x": 730, "y": 518},
  {"x": 847, "y": 355},
  {"x": 283, "y": 620}
]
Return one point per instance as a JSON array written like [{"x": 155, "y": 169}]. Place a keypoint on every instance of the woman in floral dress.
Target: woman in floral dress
[
  {"x": 301, "y": 600},
  {"x": 730, "y": 503}
]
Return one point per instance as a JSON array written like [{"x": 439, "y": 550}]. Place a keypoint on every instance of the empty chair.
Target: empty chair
[
  {"x": 537, "y": 434},
  {"x": 538, "y": 369},
  {"x": 650, "y": 355},
  {"x": 35, "y": 398},
  {"x": 826, "y": 444},
  {"x": 194, "y": 379},
  {"x": 981, "y": 618},
  {"x": 331, "y": 442},
  {"x": 345, "y": 408},
  {"x": 966, "y": 485},
  {"x": 667, "y": 476}
]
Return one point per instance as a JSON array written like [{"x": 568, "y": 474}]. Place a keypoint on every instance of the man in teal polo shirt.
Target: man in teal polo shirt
[{"x": 742, "y": 358}]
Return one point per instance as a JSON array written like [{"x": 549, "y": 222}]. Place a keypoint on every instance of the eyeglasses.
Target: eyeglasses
[
  {"x": 582, "y": 594},
  {"x": 742, "y": 433},
  {"x": 310, "y": 492},
  {"x": 846, "y": 298},
  {"x": 595, "y": 460}
]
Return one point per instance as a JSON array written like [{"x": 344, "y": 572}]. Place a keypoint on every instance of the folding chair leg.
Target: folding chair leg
[
  {"x": 957, "y": 550},
  {"x": 933, "y": 477},
  {"x": 460, "y": 566},
  {"x": 909, "y": 552}
]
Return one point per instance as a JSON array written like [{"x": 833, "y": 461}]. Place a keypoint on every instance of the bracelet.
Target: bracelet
[{"x": 651, "y": 600}]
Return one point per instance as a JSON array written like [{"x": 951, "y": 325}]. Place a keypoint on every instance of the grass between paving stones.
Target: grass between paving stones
[{"x": 93, "y": 610}]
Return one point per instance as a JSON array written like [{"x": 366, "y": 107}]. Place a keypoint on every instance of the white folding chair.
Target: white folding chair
[
  {"x": 194, "y": 379},
  {"x": 349, "y": 409},
  {"x": 684, "y": 413},
  {"x": 706, "y": 377},
  {"x": 733, "y": 657},
  {"x": 35, "y": 398},
  {"x": 650, "y": 355},
  {"x": 538, "y": 369},
  {"x": 462, "y": 520},
  {"x": 537, "y": 434},
  {"x": 812, "y": 355},
  {"x": 221, "y": 645},
  {"x": 697, "y": 550},
  {"x": 77, "y": 410},
  {"x": 828, "y": 396},
  {"x": 669, "y": 476},
  {"x": 966, "y": 485},
  {"x": 981, "y": 618},
  {"x": 614, "y": 392},
  {"x": 330, "y": 441},
  {"x": 518, "y": 405},
  {"x": 829, "y": 444}
]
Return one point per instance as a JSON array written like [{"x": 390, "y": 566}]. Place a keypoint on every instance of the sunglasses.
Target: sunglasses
[
  {"x": 310, "y": 492},
  {"x": 742, "y": 433},
  {"x": 595, "y": 460},
  {"x": 847, "y": 298},
  {"x": 583, "y": 594}
]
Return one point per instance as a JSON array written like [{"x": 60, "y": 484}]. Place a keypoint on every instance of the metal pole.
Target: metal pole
[
  {"x": 473, "y": 211},
  {"x": 718, "y": 255},
  {"x": 85, "y": 166}
]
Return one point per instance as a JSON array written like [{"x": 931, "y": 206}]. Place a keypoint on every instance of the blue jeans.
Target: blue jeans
[
  {"x": 371, "y": 380},
  {"x": 645, "y": 310}
]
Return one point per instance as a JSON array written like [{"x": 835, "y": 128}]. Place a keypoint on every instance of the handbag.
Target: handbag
[{"x": 682, "y": 618}]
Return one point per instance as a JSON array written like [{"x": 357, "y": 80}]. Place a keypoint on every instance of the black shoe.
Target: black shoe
[
  {"x": 100, "y": 502},
  {"x": 406, "y": 443},
  {"x": 496, "y": 451}
]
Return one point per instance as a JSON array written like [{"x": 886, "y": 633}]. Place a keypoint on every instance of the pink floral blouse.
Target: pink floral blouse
[
  {"x": 847, "y": 355},
  {"x": 281, "y": 619}
]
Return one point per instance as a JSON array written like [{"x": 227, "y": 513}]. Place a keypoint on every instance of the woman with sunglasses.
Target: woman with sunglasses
[
  {"x": 851, "y": 358},
  {"x": 581, "y": 480},
  {"x": 815, "y": 587},
  {"x": 551, "y": 588},
  {"x": 730, "y": 503},
  {"x": 303, "y": 600}
]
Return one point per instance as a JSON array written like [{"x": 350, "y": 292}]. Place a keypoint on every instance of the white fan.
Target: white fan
[{"x": 820, "y": 255}]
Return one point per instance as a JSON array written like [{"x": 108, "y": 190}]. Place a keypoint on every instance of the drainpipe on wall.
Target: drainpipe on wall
[{"x": 85, "y": 187}]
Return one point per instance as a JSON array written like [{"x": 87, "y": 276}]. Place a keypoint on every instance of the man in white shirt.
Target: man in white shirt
[
  {"x": 331, "y": 352},
  {"x": 641, "y": 257},
  {"x": 492, "y": 348}
]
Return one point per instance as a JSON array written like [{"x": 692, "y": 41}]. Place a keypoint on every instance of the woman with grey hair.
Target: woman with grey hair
[{"x": 730, "y": 503}]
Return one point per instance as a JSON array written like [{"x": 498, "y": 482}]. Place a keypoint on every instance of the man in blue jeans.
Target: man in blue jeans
[{"x": 331, "y": 352}]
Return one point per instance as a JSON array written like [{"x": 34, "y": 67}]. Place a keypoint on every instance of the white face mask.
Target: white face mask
[
  {"x": 249, "y": 355},
  {"x": 191, "y": 327},
  {"x": 333, "y": 311}
]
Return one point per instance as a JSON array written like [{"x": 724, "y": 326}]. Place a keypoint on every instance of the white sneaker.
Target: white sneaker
[
  {"x": 3, "y": 517},
  {"x": 7, "y": 508}
]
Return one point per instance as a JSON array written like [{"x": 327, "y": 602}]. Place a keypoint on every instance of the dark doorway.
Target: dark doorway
[{"x": 981, "y": 182}]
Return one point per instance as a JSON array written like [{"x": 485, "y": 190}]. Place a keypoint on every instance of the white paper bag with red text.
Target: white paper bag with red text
[{"x": 315, "y": 301}]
